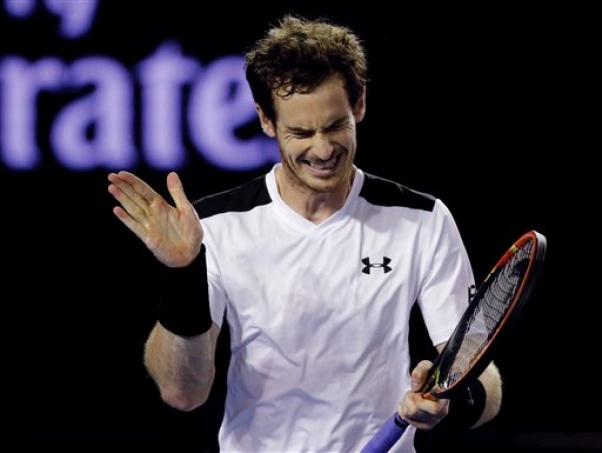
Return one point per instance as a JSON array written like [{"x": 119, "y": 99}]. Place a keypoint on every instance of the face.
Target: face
[{"x": 316, "y": 134}]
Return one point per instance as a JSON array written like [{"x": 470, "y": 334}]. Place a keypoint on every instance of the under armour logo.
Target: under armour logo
[
  {"x": 384, "y": 265},
  {"x": 472, "y": 290}
]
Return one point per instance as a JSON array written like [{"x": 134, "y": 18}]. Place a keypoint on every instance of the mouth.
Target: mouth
[{"x": 323, "y": 166}]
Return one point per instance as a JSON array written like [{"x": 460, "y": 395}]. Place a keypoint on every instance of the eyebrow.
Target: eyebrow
[{"x": 299, "y": 129}]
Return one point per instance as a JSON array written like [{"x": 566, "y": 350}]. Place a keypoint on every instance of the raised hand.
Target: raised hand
[{"x": 172, "y": 233}]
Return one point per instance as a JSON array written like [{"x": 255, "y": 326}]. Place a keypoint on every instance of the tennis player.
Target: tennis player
[{"x": 314, "y": 266}]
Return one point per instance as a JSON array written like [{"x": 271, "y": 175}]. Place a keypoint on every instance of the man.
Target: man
[{"x": 314, "y": 266}]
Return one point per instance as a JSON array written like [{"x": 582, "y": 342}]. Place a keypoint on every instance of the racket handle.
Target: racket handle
[{"x": 387, "y": 435}]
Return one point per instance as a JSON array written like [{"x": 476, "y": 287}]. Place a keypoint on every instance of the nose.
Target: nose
[{"x": 322, "y": 146}]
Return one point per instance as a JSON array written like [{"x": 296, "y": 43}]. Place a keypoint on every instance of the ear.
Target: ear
[
  {"x": 359, "y": 110},
  {"x": 266, "y": 124}
]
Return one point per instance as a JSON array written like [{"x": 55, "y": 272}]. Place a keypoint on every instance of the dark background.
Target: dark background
[{"x": 469, "y": 101}]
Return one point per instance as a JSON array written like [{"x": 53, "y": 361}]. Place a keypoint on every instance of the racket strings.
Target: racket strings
[{"x": 498, "y": 295}]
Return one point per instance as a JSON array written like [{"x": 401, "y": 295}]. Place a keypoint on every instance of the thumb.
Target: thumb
[
  {"x": 176, "y": 190},
  {"x": 419, "y": 375},
  {"x": 416, "y": 381}
]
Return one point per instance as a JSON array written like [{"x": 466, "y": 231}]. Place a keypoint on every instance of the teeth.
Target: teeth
[{"x": 324, "y": 165}]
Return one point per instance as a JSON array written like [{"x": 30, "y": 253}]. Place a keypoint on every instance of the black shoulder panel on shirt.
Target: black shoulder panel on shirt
[
  {"x": 383, "y": 192},
  {"x": 238, "y": 199}
]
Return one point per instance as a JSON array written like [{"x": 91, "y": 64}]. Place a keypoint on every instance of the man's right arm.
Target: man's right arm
[{"x": 182, "y": 367}]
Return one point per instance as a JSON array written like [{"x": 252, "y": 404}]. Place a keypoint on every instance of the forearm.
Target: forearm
[
  {"x": 492, "y": 382},
  {"x": 182, "y": 367}
]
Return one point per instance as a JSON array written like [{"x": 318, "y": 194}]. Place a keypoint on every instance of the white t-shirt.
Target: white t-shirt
[{"x": 319, "y": 314}]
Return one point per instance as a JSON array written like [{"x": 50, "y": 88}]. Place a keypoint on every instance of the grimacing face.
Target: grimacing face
[{"x": 316, "y": 134}]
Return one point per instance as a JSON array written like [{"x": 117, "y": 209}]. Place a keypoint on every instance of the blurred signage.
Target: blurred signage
[{"x": 94, "y": 111}]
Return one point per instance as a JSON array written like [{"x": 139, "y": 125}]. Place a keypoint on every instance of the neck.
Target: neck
[{"x": 313, "y": 205}]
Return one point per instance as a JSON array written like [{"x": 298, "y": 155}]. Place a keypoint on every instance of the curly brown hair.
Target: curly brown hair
[{"x": 298, "y": 54}]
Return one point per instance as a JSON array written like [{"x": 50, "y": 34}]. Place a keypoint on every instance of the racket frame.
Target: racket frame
[{"x": 432, "y": 385}]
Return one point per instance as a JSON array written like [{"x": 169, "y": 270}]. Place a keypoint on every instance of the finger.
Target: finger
[
  {"x": 419, "y": 375},
  {"x": 135, "y": 187},
  {"x": 420, "y": 411},
  {"x": 408, "y": 408},
  {"x": 132, "y": 205},
  {"x": 137, "y": 198},
  {"x": 176, "y": 190},
  {"x": 136, "y": 227},
  {"x": 123, "y": 191}
]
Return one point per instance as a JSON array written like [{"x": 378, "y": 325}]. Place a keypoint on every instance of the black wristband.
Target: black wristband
[
  {"x": 184, "y": 303},
  {"x": 466, "y": 408}
]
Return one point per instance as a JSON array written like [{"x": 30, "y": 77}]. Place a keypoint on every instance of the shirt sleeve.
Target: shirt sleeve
[
  {"x": 217, "y": 294},
  {"x": 448, "y": 277}
]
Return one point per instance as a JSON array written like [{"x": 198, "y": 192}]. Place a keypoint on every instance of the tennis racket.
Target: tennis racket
[{"x": 491, "y": 311}]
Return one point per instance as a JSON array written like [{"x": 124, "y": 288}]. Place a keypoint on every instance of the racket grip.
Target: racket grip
[{"x": 387, "y": 435}]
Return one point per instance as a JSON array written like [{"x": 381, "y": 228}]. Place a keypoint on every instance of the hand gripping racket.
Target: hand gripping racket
[{"x": 491, "y": 311}]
